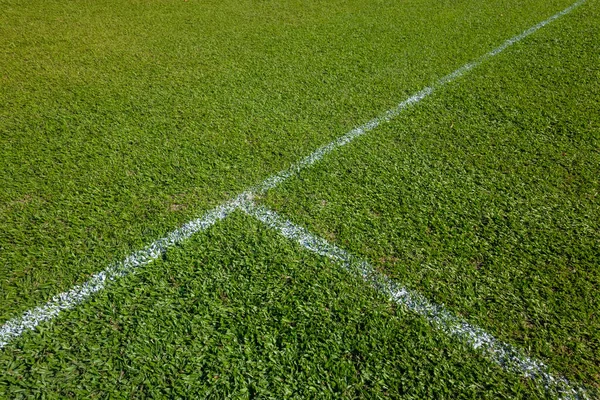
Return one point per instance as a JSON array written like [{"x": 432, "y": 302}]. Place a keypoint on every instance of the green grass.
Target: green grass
[
  {"x": 121, "y": 120},
  {"x": 240, "y": 312},
  {"x": 484, "y": 197}
]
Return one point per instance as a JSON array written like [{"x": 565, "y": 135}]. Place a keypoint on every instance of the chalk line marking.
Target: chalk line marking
[
  {"x": 387, "y": 116},
  {"x": 67, "y": 300},
  {"x": 29, "y": 320},
  {"x": 503, "y": 354}
]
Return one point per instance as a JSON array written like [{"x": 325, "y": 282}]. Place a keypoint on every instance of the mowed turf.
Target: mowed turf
[
  {"x": 120, "y": 120},
  {"x": 241, "y": 312},
  {"x": 484, "y": 197}
]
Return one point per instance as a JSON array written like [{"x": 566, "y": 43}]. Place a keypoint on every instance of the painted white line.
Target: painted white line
[
  {"x": 67, "y": 300},
  {"x": 501, "y": 353},
  {"x": 392, "y": 113}
]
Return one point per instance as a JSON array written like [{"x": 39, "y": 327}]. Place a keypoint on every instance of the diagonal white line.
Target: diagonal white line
[
  {"x": 67, "y": 300},
  {"x": 394, "y": 112},
  {"x": 503, "y": 354},
  {"x": 29, "y": 320}
]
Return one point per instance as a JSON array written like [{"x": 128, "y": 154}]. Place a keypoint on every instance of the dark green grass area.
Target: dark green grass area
[
  {"x": 484, "y": 196},
  {"x": 120, "y": 120},
  {"x": 241, "y": 312}
]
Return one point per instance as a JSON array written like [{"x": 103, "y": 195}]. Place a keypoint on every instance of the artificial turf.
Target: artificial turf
[
  {"x": 484, "y": 197},
  {"x": 241, "y": 312}
]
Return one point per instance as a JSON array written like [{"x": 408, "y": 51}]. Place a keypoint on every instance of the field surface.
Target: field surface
[{"x": 121, "y": 121}]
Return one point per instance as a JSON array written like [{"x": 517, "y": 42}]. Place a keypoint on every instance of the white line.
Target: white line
[
  {"x": 392, "y": 113},
  {"x": 67, "y": 300},
  {"x": 501, "y": 353}
]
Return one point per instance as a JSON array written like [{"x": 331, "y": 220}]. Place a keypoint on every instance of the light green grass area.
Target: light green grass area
[
  {"x": 120, "y": 120},
  {"x": 241, "y": 312},
  {"x": 484, "y": 197}
]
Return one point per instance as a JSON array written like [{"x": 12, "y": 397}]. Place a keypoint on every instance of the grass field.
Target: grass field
[{"x": 120, "y": 121}]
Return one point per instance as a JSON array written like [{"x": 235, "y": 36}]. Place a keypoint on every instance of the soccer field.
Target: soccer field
[{"x": 300, "y": 199}]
